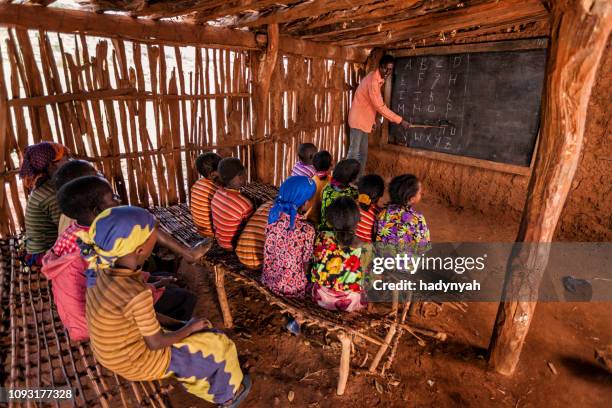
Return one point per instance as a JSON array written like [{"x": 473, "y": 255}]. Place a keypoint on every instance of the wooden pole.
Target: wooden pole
[
  {"x": 345, "y": 362},
  {"x": 222, "y": 296},
  {"x": 580, "y": 31},
  {"x": 265, "y": 70}
]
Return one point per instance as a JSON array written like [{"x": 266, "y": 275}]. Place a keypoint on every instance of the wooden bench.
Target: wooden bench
[
  {"x": 41, "y": 353},
  {"x": 376, "y": 330}
]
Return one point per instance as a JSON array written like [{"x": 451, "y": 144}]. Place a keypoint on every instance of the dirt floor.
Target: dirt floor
[{"x": 557, "y": 367}]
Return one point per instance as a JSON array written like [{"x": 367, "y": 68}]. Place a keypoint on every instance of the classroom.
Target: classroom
[{"x": 305, "y": 203}]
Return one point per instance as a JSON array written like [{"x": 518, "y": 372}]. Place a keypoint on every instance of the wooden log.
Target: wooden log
[
  {"x": 124, "y": 27},
  {"x": 267, "y": 63},
  {"x": 580, "y": 32},
  {"x": 222, "y": 296},
  {"x": 383, "y": 348},
  {"x": 345, "y": 362}
]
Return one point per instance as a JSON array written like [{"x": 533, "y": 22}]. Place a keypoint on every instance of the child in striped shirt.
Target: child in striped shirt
[
  {"x": 126, "y": 334},
  {"x": 230, "y": 209},
  {"x": 304, "y": 167},
  {"x": 203, "y": 191},
  {"x": 371, "y": 188},
  {"x": 250, "y": 246}
]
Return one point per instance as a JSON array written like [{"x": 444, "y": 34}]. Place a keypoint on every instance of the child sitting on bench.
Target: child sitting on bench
[
  {"x": 83, "y": 199},
  {"x": 250, "y": 246},
  {"x": 68, "y": 172},
  {"x": 322, "y": 163},
  {"x": 304, "y": 167},
  {"x": 341, "y": 260},
  {"x": 289, "y": 238},
  {"x": 399, "y": 224},
  {"x": 371, "y": 188},
  {"x": 120, "y": 312},
  {"x": 40, "y": 162},
  {"x": 203, "y": 191},
  {"x": 230, "y": 209},
  {"x": 345, "y": 173}
]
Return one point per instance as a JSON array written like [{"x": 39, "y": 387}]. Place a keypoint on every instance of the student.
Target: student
[
  {"x": 250, "y": 246},
  {"x": 399, "y": 224},
  {"x": 203, "y": 191},
  {"x": 340, "y": 260},
  {"x": 289, "y": 239},
  {"x": 40, "y": 162},
  {"x": 322, "y": 163},
  {"x": 371, "y": 188},
  {"x": 68, "y": 172},
  {"x": 304, "y": 167},
  {"x": 120, "y": 312},
  {"x": 82, "y": 199},
  {"x": 344, "y": 174},
  {"x": 230, "y": 209}
]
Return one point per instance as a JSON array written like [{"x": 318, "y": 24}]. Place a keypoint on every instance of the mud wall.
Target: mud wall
[{"x": 587, "y": 215}]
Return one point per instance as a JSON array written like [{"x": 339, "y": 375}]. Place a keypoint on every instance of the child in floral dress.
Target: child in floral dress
[
  {"x": 399, "y": 225},
  {"x": 289, "y": 239},
  {"x": 341, "y": 260},
  {"x": 345, "y": 173}
]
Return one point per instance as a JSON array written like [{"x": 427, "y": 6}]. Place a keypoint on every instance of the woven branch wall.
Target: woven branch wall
[{"x": 142, "y": 112}]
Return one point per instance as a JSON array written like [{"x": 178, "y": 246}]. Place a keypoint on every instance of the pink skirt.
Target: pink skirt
[{"x": 331, "y": 299}]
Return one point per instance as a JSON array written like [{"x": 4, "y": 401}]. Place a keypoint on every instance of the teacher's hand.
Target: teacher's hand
[{"x": 405, "y": 124}]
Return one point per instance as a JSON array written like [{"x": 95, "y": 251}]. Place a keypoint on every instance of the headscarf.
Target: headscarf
[
  {"x": 115, "y": 232},
  {"x": 37, "y": 158},
  {"x": 293, "y": 193}
]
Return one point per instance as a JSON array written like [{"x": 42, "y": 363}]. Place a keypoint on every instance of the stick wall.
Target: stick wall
[{"x": 142, "y": 112}]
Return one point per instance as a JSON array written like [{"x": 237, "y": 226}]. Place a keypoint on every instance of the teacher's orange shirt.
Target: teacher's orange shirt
[{"x": 367, "y": 101}]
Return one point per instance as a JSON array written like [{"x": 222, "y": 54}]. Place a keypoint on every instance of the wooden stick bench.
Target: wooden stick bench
[
  {"x": 374, "y": 329},
  {"x": 41, "y": 353}
]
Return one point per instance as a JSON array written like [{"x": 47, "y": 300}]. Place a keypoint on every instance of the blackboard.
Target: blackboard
[{"x": 491, "y": 101}]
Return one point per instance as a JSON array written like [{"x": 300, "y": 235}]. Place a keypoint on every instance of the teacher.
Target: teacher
[{"x": 362, "y": 116}]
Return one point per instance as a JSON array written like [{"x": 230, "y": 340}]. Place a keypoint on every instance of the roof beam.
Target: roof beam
[
  {"x": 488, "y": 15},
  {"x": 300, "y": 11},
  {"x": 167, "y": 32}
]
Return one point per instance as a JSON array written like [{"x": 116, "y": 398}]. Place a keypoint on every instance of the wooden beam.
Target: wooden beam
[
  {"x": 370, "y": 14},
  {"x": 483, "y": 15},
  {"x": 119, "y": 26},
  {"x": 175, "y": 33},
  {"x": 290, "y": 45},
  {"x": 534, "y": 29},
  {"x": 580, "y": 30},
  {"x": 203, "y": 10},
  {"x": 283, "y": 14},
  {"x": 266, "y": 64}
]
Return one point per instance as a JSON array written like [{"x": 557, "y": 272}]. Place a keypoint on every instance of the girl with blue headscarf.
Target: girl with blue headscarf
[{"x": 289, "y": 239}]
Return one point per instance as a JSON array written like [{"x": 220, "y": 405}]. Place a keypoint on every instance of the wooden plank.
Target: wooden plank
[
  {"x": 120, "y": 26},
  {"x": 151, "y": 31},
  {"x": 580, "y": 34},
  {"x": 495, "y": 46},
  {"x": 488, "y": 14}
]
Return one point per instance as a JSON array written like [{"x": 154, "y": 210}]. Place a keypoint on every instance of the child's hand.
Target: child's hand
[
  {"x": 163, "y": 282},
  {"x": 195, "y": 325}
]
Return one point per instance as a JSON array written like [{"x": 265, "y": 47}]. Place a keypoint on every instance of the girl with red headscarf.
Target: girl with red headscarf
[{"x": 40, "y": 161}]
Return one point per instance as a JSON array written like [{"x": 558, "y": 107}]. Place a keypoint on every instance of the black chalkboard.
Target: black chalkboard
[{"x": 491, "y": 100}]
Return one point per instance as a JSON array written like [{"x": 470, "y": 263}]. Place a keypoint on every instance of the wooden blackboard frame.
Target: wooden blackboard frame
[{"x": 498, "y": 46}]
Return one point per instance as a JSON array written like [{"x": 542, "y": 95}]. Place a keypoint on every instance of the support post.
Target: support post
[
  {"x": 345, "y": 361},
  {"x": 222, "y": 296},
  {"x": 266, "y": 64},
  {"x": 579, "y": 33}
]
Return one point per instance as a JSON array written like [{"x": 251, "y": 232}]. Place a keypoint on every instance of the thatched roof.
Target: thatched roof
[{"x": 365, "y": 23}]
